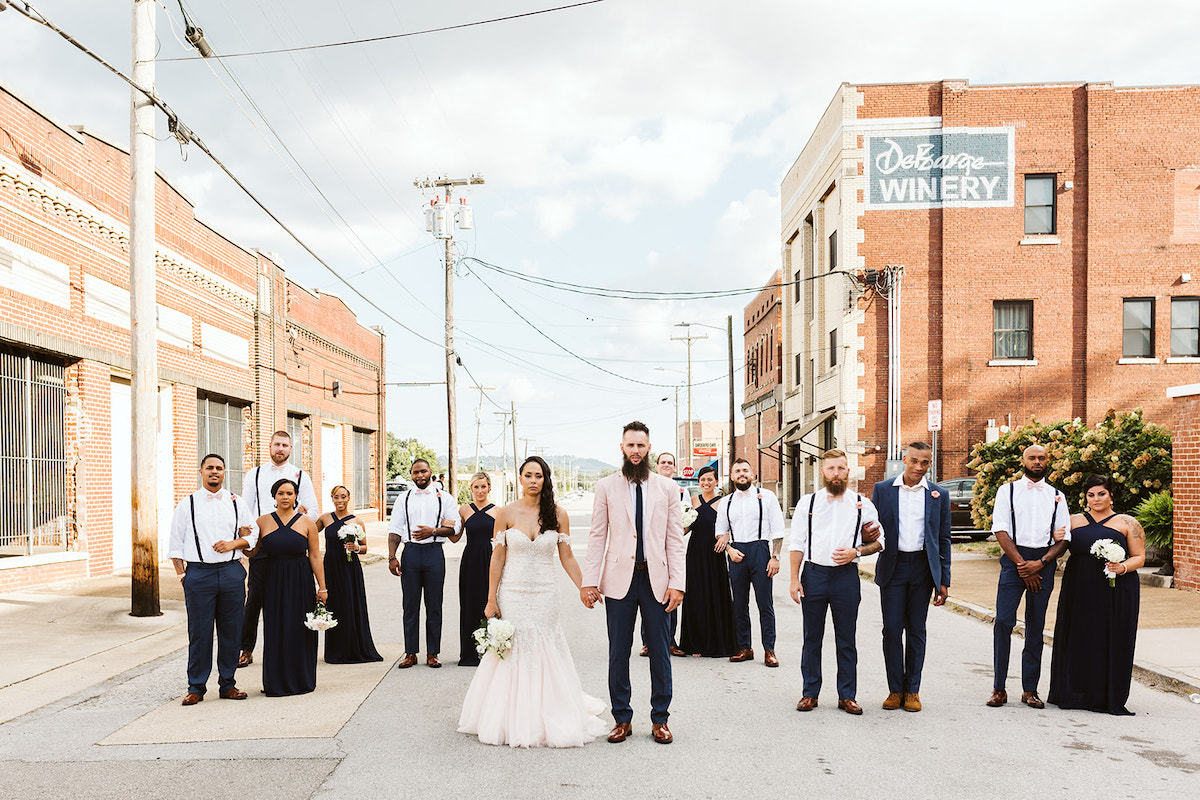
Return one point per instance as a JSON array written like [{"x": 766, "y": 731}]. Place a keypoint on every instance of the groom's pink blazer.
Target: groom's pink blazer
[{"x": 612, "y": 541}]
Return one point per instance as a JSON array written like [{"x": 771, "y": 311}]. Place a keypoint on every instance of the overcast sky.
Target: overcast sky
[{"x": 626, "y": 143}]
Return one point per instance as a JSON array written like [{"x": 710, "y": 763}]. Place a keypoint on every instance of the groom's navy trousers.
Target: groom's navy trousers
[
  {"x": 622, "y": 617},
  {"x": 1008, "y": 595},
  {"x": 214, "y": 595},
  {"x": 422, "y": 571}
]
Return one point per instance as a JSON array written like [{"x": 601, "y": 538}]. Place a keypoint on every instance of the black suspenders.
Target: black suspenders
[
  {"x": 812, "y": 501},
  {"x": 729, "y": 517},
  {"x": 196, "y": 531},
  {"x": 1012, "y": 511},
  {"x": 408, "y": 519}
]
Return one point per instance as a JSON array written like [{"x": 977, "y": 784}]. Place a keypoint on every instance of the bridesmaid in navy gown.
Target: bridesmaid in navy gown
[
  {"x": 349, "y": 642},
  {"x": 293, "y": 553},
  {"x": 707, "y": 626},
  {"x": 1096, "y": 627},
  {"x": 479, "y": 522}
]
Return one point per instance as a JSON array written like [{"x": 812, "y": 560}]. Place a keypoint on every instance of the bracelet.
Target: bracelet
[
  {"x": 392, "y": 558},
  {"x": 1124, "y": 568}
]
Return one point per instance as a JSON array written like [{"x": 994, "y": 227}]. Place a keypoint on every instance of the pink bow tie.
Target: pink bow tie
[
  {"x": 422, "y": 491},
  {"x": 212, "y": 496},
  {"x": 278, "y": 469},
  {"x": 1033, "y": 484}
]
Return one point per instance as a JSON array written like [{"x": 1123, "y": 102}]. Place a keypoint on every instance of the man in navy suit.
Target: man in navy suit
[{"x": 919, "y": 513}]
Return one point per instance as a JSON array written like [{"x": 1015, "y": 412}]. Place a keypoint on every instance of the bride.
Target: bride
[{"x": 532, "y": 696}]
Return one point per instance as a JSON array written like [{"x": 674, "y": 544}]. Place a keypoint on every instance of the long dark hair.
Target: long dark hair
[{"x": 547, "y": 510}]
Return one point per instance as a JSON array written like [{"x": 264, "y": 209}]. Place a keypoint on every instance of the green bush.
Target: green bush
[
  {"x": 1134, "y": 453},
  {"x": 1156, "y": 514}
]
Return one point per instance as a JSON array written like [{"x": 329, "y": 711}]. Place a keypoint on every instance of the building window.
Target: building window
[
  {"x": 360, "y": 485},
  {"x": 1012, "y": 329},
  {"x": 828, "y": 440},
  {"x": 1039, "y": 203},
  {"x": 833, "y": 348},
  {"x": 295, "y": 429},
  {"x": 1185, "y": 326},
  {"x": 799, "y": 369},
  {"x": 33, "y": 455},
  {"x": 833, "y": 255},
  {"x": 798, "y": 285},
  {"x": 1137, "y": 335},
  {"x": 219, "y": 430}
]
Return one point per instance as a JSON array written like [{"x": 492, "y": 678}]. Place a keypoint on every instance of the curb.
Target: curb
[{"x": 1151, "y": 675}]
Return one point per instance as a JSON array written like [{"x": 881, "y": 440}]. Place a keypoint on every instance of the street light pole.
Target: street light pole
[{"x": 689, "y": 339}]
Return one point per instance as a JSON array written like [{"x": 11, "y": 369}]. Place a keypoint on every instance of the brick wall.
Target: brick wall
[
  {"x": 1185, "y": 453},
  {"x": 762, "y": 337}
]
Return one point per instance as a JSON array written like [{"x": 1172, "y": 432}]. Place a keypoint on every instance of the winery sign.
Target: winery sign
[{"x": 947, "y": 167}]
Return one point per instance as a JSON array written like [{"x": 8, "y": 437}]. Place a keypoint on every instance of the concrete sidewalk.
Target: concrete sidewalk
[{"x": 1167, "y": 654}]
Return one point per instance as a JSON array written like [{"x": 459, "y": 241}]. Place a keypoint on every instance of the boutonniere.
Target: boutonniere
[
  {"x": 858, "y": 504},
  {"x": 935, "y": 494},
  {"x": 1058, "y": 497}
]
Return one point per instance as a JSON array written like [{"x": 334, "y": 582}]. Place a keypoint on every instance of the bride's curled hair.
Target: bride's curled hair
[{"x": 547, "y": 509}]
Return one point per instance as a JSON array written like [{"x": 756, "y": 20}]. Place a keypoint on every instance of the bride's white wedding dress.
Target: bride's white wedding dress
[{"x": 532, "y": 697}]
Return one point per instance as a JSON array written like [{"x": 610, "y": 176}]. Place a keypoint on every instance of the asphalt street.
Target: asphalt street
[{"x": 735, "y": 725}]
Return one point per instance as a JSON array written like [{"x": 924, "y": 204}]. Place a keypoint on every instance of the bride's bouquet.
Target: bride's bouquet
[
  {"x": 320, "y": 620},
  {"x": 1107, "y": 550},
  {"x": 494, "y": 634},
  {"x": 689, "y": 513},
  {"x": 351, "y": 532}
]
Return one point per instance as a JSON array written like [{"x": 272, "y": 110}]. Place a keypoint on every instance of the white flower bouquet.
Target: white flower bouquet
[
  {"x": 494, "y": 634},
  {"x": 320, "y": 620},
  {"x": 1108, "y": 551},
  {"x": 689, "y": 513},
  {"x": 351, "y": 532}
]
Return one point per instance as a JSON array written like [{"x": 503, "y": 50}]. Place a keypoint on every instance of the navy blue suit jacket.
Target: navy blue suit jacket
[{"x": 886, "y": 498}]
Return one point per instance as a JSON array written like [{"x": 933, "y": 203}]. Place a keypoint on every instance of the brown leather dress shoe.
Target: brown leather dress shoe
[
  {"x": 742, "y": 655},
  {"x": 432, "y": 660},
  {"x": 409, "y": 660},
  {"x": 676, "y": 650},
  {"x": 850, "y": 707},
  {"x": 769, "y": 658},
  {"x": 806, "y": 704},
  {"x": 894, "y": 701},
  {"x": 999, "y": 697},
  {"x": 1032, "y": 700},
  {"x": 645, "y": 652},
  {"x": 233, "y": 693},
  {"x": 191, "y": 698},
  {"x": 620, "y": 732},
  {"x": 661, "y": 733},
  {"x": 912, "y": 702},
  {"x": 245, "y": 659}
]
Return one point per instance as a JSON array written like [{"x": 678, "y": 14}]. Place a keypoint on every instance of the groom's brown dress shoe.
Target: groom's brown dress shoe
[
  {"x": 999, "y": 697},
  {"x": 191, "y": 698},
  {"x": 742, "y": 655},
  {"x": 850, "y": 707},
  {"x": 894, "y": 701},
  {"x": 645, "y": 652},
  {"x": 769, "y": 659},
  {"x": 233, "y": 693},
  {"x": 620, "y": 732},
  {"x": 1032, "y": 700},
  {"x": 432, "y": 660},
  {"x": 676, "y": 650},
  {"x": 912, "y": 702},
  {"x": 409, "y": 660},
  {"x": 806, "y": 704},
  {"x": 661, "y": 733}
]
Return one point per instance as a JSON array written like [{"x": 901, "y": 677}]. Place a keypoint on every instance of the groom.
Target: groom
[{"x": 635, "y": 558}]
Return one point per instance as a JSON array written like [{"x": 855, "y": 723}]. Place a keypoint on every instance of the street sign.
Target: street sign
[
  {"x": 704, "y": 449},
  {"x": 935, "y": 415},
  {"x": 689, "y": 472}
]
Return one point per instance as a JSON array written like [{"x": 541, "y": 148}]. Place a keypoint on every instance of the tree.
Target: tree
[
  {"x": 1134, "y": 453},
  {"x": 402, "y": 452}
]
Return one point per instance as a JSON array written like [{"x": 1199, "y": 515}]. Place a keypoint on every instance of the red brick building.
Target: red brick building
[
  {"x": 1049, "y": 235},
  {"x": 1186, "y": 485},
  {"x": 242, "y": 351},
  {"x": 762, "y": 336}
]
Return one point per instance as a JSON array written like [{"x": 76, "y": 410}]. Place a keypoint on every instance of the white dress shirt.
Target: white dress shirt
[
  {"x": 1036, "y": 502},
  {"x": 739, "y": 514},
  {"x": 832, "y": 525},
  {"x": 633, "y": 503},
  {"x": 257, "y": 489},
  {"x": 428, "y": 507},
  {"x": 911, "y": 536},
  {"x": 216, "y": 521}
]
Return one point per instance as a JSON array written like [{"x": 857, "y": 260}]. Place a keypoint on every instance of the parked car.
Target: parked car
[
  {"x": 961, "y": 491},
  {"x": 394, "y": 488}
]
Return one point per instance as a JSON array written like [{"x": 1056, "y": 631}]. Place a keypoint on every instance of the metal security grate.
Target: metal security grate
[
  {"x": 361, "y": 486},
  {"x": 219, "y": 430},
  {"x": 34, "y": 517}
]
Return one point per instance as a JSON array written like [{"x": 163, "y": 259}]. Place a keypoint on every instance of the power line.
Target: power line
[{"x": 442, "y": 29}]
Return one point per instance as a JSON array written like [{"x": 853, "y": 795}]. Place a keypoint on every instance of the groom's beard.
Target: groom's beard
[{"x": 636, "y": 473}]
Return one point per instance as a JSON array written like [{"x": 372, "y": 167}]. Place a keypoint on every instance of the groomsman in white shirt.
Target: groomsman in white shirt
[
  {"x": 209, "y": 528},
  {"x": 750, "y": 525},
  {"x": 423, "y": 518},
  {"x": 1027, "y": 513},
  {"x": 257, "y": 490},
  {"x": 826, "y": 543}
]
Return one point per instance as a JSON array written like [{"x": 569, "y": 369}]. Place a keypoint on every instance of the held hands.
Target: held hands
[
  {"x": 1031, "y": 573},
  {"x": 844, "y": 555},
  {"x": 942, "y": 594},
  {"x": 590, "y": 595},
  {"x": 870, "y": 532},
  {"x": 674, "y": 598}
]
